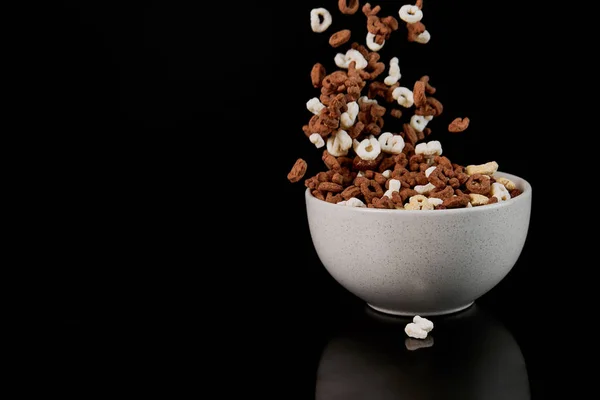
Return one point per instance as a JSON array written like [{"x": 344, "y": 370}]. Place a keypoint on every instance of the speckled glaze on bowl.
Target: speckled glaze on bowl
[{"x": 427, "y": 262}]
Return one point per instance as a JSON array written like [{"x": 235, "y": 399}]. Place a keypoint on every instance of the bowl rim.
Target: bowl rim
[{"x": 525, "y": 196}]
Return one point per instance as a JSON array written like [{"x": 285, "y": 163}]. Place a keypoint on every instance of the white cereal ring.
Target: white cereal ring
[
  {"x": 317, "y": 140},
  {"x": 320, "y": 19},
  {"x": 410, "y": 14},
  {"x": 368, "y": 149},
  {"x": 344, "y": 60},
  {"x": 390, "y": 143},
  {"x": 404, "y": 96},
  {"x": 339, "y": 143},
  {"x": 418, "y": 122},
  {"x": 372, "y": 44}
]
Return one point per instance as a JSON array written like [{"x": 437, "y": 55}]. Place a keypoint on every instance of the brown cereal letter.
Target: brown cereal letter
[
  {"x": 420, "y": 99},
  {"x": 458, "y": 125},
  {"x": 298, "y": 171},
  {"x": 348, "y": 7},
  {"x": 339, "y": 38},
  {"x": 317, "y": 74},
  {"x": 330, "y": 187}
]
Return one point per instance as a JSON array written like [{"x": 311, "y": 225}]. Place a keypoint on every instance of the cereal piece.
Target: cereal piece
[
  {"x": 424, "y": 189},
  {"x": 318, "y": 195},
  {"x": 415, "y": 331},
  {"x": 394, "y": 73},
  {"x": 410, "y": 14},
  {"x": 418, "y": 202},
  {"x": 394, "y": 185},
  {"x": 371, "y": 189},
  {"x": 423, "y": 37},
  {"x": 457, "y": 201},
  {"x": 488, "y": 168},
  {"x": 344, "y": 60},
  {"x": 387, "y": 163},
  {"x": 479, "y": 184},
  {"x": 351, "y": 191},
  {"x": 383, "y": 203},
  {"x": 419, "y": 94},
  {"x": 429, "y": 149},
  {"x": 298, "y": 170},
  {"x": 387, "y": 173},
  {"x": 443, "y": 194},
  {"x": 317, "y": 73},
  {"x": 360, "y": 164},
  {"x": 330, "y": 161},
  {"x": 339, "y": 143},
  {"x": 458, "y": 125},
  {"x": 429, "y": 170},
  {"x": 437, "y": 178},
  {"x": 423, "y": 323},
  {"x": 418, "y": 122},
  {"x": 333, "y": 198},
  {"x": 500, "y": 192},
  {"x": 320, "y": 19},
  {"x": 330, "y": 187},
  {"x": 403, "y": 96},
  {"x": 372, "y": 44},
  {"x": 314, "y": 105},
  {"x": 339, "y": 38},
  {"x": 435, "y": 201},
  {"x": 317, "y": 140},
  {"x": 390, "y": 143},
  {"x": 478, "y": 199},
  {"x": 510, "y": 185},
  {"x": 348, "y": 7},
  {"x": 396, "y": 113},
  {"x": 348, "y": 118},
  {"x": 368, "y": 149}
]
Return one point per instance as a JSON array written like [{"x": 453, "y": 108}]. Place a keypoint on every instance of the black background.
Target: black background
[{"x": 178, "y": 124}]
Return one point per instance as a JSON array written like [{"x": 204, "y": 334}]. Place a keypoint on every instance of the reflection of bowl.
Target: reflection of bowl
[
  {"x": 420, "y": 262},
  {"x": 473, "y": 357}
]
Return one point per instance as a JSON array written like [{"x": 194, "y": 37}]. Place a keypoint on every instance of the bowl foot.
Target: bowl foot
[{"x": 423, "y": 314}]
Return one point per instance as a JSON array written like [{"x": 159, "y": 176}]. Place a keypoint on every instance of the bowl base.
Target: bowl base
[{"x": 411, "y": 314}]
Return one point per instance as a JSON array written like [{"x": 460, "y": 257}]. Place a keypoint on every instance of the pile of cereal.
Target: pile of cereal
[{"x": 367, "y": 166}]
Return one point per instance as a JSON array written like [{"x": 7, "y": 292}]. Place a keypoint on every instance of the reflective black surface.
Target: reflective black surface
[{"x": 470, "y": 356}]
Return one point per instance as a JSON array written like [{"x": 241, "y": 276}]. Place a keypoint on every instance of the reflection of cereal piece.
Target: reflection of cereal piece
[
  {"x": 339, "y": 38},
  {"x": 317, "y": 74},
  {"x": 297, "y": 171},
  {"x": 348, "y": 7},
  {"x": 458, "y": 125},
  {"x": 320, "y": 19},
  {"x": 416, "y": 344}
]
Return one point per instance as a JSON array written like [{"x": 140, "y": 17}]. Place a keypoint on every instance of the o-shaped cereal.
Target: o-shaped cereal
[
  {"x": 478, "y": 184},
  {"x": 418, "y": 202},
  {"x": 368, "y": 149},
  {"x": 372, "y": 44},
  {"x": 320, "y": 19},
  {"x": 410, "y": 14},
  {"x": 404, "y": 96},
  {"x": 418, "y": 122},
  {"x": 390, "y": 143}
]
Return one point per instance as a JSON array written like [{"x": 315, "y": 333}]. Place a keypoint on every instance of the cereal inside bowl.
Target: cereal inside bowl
[{"x": 373, "y": 128}]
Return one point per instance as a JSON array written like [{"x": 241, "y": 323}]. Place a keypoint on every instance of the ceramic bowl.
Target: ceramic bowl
[{"x": 426, "y": 262}]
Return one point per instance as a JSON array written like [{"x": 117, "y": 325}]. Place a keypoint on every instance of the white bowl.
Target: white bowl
[{"x": 427, "y": 262}]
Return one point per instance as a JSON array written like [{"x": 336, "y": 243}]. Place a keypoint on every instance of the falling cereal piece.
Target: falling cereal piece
[{"x": 458, "y": 125}]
